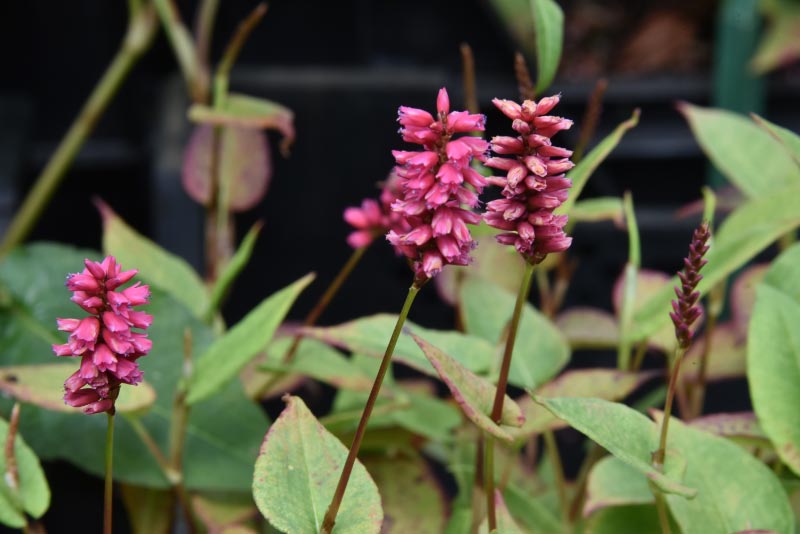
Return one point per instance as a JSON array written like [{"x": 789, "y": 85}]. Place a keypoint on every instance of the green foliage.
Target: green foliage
[
  {"x": 611, "y": 483},
  {"x": 773, "y": 356},
  {"x": 296, "y": 474},
  {"x": 33, "y": 494},
  {"x": 548, "y": 23},
  {"x": 227, "y": 428},
  {"x": 221, "y": 362}
]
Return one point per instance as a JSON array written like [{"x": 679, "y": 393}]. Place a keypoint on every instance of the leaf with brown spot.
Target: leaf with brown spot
[{"x": 43, "y": 385}]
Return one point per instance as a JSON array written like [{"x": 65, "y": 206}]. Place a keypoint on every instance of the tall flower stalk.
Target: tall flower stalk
[
  {"x": 533, "y": 187},
  {"x": 685, "y": 312},
  {"x": 109, "y": 342},
  {"x": 434, "y": 206}
]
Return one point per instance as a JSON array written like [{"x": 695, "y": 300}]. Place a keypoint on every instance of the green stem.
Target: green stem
[
  {"x": 488, "y": 481},
  {"x": 326, "y": 298},
  {"x": 139, "y": 36},
  {"x": 661, "y": 508},
  {"x": 558, "y": 469},
  {"x": 109, "y": 487},
  {"x": 595, "y": 453},
  {"x": 502, "y": 384},
  {"x": 180, "y": 39},
  {"x": 660, "y": 454},
  {"x": 333, "y": 509}
]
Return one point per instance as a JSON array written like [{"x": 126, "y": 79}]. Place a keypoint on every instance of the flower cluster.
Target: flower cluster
[
  {"x": 685, "y": 309},
  {"x": 534, "y": 184},
  {"x": 376, "y": 217},
  {"x": 106, "y": 340},
  {"x": 433, "y": 186}
]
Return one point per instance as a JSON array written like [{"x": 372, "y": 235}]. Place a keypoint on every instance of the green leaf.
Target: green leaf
[
  {"x": 43, "y": 385},
  {"x": 412, "y": 498},
  {"x": 150, "y": 510},
  {"x": 727, "y": 359},
  {"x": 581, "y": 173},
  {"x": 608, "y": 384},
  {"x": 779, "y": 45},
  {"x": 505, "y": 523},
  {"x": 588, "y": 328},
  {"x": 743, "y": 294},
  {"x": 296, "y": 474},
  {"x": 773, "y": 369},
  {"x": 225, "y": 512},
  {"x": 548, "y": 23},
  {"x": 157, "y": 266},
  {"x": 648, "y": 283},
  {"x": 747, "y": 155},
  {"x": 369, "y": 336},
  {"x": 248, "y": 112},
  {"x": 597, "y": 209},
  {"x": 34, "y": 493},
  {"x": 625, "y": 433},
  {"x": 789, "y": 139},
  {"x": 475, "y": 395},
  {"x": 752, "y": 496},
  {"x": 234, "y": 267},
  {"x": 227, "y": 428},
  {"x": 319, "y": 361},
  {"x": 612, "y": 482},
  {"x": 624, "y": 520},
  {"x": 540, "y": 351},
  {"x": 746, "y": 232},
  {"x": 228, "y": 354}
]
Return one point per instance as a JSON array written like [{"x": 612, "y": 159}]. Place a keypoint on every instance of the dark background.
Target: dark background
[{"x": 344, "y": 67}]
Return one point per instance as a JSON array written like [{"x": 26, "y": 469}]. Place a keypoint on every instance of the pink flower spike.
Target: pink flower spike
[{"x": 103, "y": 339}]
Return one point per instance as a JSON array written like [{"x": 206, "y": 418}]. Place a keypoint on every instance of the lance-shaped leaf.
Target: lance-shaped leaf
[
  {"x": 296, "y": 475},
  {"x": 540, "y": 351},
  {"x": 156, "y": 265},
  {"x": 43, "y": 385},
  {"x": 789, "y": 139},
  {"x": 742, "y": 426},
  {"x": 243, "y": 166},
  {"x": 413, "y": 499},
  {"x": 745, "y": 233},
  {"x": 33, "y": 493},
  {"x": 773, "y": 361},
  {"x": 548, "y": 23},
  {"x": 475, "y": 395},
  {"x": 581, "y": 173},
  {"x": 608, "y": 384},
  {"x": 598, "y": 209},
  {"x": 369, "y": 335},
  {"x": 588, "y": 328},
  {"x": 752, "y": 498},
  {"x": 229, "y": 353},
  {"x": 612, "y": 482},
  {"x": 747, "y": 155},
  {"x": 234, "y": 267},
  {"x": 505, "y": 523},
  {"x": 625, "y": 433}
]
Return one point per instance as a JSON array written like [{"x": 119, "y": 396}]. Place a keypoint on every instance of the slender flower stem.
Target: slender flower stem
[
  {"x": 488, "y": 481},
  {"x": 326, "y": 298},
  {"x": 468, "y": 78},
  {"x": 500, "y": 392},
  {"x": 659, "y": 455},
  {"x": 139, "y": 36},
  {"x": 109, "y": 487},
  {"x": 558, "y": 469},
  {"x": 590, "y": 119},
  {"x": 661, "y": 508},
  {"x": 333, "y": 508}
]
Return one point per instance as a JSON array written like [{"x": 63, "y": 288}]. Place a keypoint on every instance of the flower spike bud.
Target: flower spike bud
[
  {"x": 534, "y": 184},
  {"x": 685, "y": 309}
]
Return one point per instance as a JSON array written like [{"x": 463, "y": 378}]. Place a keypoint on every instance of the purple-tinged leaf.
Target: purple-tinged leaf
[
  {"x": 732, "y": 425},
  {"x": 245, "y": 164},
  {"x": 475, "y": 395},
  {"x": 743, "y": 295},
  {"x": 727, "y": 359}
]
